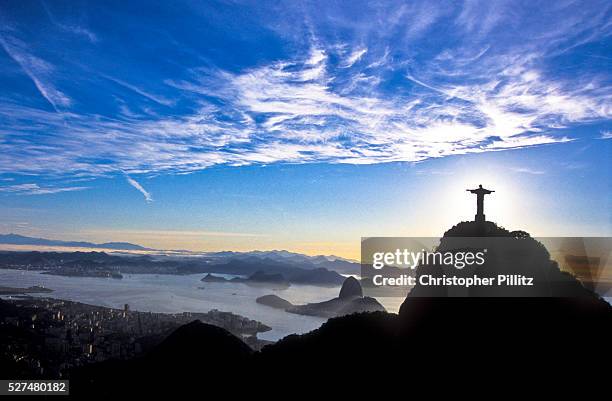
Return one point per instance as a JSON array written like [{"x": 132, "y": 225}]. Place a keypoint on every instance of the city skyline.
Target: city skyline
[{"x": 302, "y": 126}]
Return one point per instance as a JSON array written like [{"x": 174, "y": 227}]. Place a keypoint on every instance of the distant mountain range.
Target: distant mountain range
[
  {"x": 331, "y": 262},
  {"x": 270, "y": 270},
  {"x": 16, "y": 239},
  {"x": 101, "y": 264},
  {"x": 335, "y": 263}
]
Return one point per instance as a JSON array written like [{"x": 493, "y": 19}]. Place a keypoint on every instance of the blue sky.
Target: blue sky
[{"x": 302, "y": 125}]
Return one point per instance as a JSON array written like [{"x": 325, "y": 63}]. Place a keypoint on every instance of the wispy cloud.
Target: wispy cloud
[
  {"x": 157, "y": 99},
  {"x": 354, "y": 57},
  {"x": 74, "y": 29},
  {"x": 38, "y": 70},
  {"x": 606, "y": 135},
  {"x": 526, "y": 170},
  {"x": 79, "y": 30},
  {"x": 480, "y": 17},
  {"x": 369, "y": 92},
  {"x": 421, "y": 16},
  {"x": 140, "y": 188},
  {"x": 35, "y": 189}
]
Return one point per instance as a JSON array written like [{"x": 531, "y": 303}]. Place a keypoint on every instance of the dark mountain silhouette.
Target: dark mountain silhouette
[
  {"x": 320, "y": 276},
  {"x": 447, "y": 344},
  {"x": 290, "y": 273},
  {"x": 219, "y": 345},
  {"x": 194, "y": 352},
  {"x": 335, "y": 263},
  {"x": 350, "y": 288},
  {"x": 508, "y": 253},
  {"x": 261, "y": 278},
  {"x": 338, "y": 307},
  {"x": 248, "y": 266},
  {"x": 350, "y": 300},
  {"x": 16, "y": 239}
]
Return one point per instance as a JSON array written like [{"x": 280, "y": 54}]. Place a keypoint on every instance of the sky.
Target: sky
[{"x": 302, "y": 125}]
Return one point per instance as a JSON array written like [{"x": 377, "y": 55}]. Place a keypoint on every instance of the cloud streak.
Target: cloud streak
[
  {"x": 139, "y": 188},
  {"x": 38, "y": 70},
  {"x": 354, "y": 57},
  {"x": 35, "y": 189},
  {"x": 74, "y": 29},
  {"x": 157, "y": 99}
]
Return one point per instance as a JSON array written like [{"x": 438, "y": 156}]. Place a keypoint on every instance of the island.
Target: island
[
  {"x": 274, "y": 301},
  {"x": 29, "y": 290},
  {"x": 259, "y": 278},
  {"x": 211, "y": 278}
]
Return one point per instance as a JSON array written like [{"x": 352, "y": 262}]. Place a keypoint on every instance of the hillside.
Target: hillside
[{"x": 433, "y": 340}]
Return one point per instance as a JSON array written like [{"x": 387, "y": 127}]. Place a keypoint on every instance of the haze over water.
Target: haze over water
[{"x": 176, "y": 294}]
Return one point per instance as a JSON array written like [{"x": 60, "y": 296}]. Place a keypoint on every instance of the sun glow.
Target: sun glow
[{"x": 501, "y": 206}]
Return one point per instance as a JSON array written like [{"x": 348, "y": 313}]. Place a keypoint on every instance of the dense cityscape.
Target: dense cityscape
[{"x": 48, "y": 337}]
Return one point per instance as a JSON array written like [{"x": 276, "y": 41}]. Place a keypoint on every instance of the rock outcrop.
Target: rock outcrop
[
  {"x": 274, "y": 301},
  {"x": 350, "y": 288},
  {"x": 350, "y": 300},
  {"x": 210, "y": 278}
]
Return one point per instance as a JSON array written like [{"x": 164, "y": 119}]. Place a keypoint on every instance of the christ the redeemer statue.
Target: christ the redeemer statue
[{"x": 480, "y": 193}]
